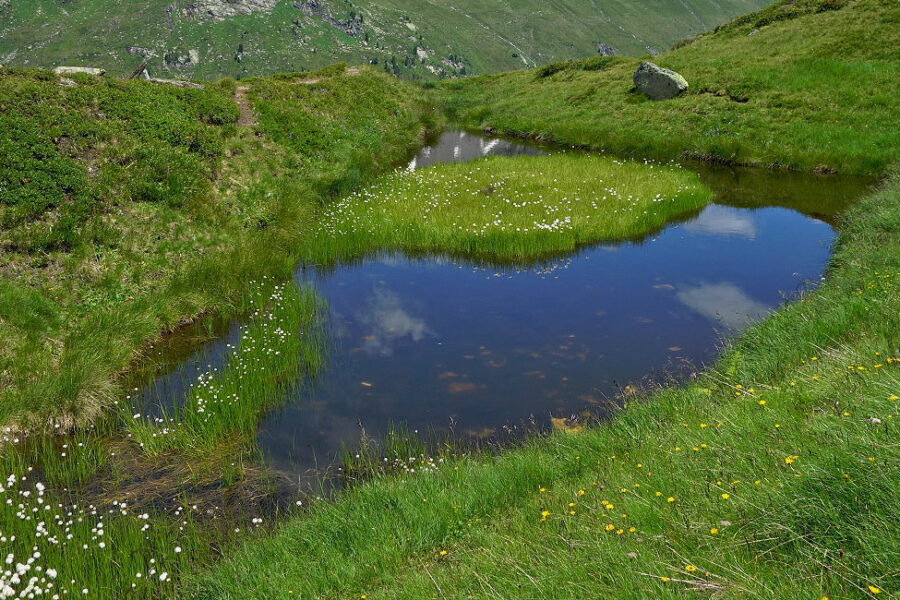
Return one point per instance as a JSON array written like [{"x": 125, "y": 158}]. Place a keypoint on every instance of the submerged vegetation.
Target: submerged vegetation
[
  {"x": 109, "y": 509},
  {"x": 281, "y": 340},
  {"x": 507, "y": 208}
]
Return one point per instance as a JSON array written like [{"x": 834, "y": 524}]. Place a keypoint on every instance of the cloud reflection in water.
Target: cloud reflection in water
[
  {"x": 723, "y": 220},
  {"x": 387, "y": 321},
  {"x": 723, "y": 302}
]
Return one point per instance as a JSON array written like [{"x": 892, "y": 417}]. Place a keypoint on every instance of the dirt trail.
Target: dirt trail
[
  {"x": 351, "y": 72},
  {"x": 246, "y": 118}
]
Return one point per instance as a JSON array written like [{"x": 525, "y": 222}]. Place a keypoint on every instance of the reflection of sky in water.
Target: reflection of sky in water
[
  {"x": 434, "y": 341},
  {"x": 722, "y": 220},
  {"x": 459, "y": 146},
  {"x": 386, "y": 320},
  {"x": 724, "y": 303}
]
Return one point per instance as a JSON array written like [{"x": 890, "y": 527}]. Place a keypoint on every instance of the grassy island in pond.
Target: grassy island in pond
[{"x": 508, "y": 208}]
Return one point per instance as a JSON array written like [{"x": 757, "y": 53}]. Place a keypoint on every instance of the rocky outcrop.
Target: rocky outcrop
[
  {"x": 218, "y": 10},
  {"x": 177, "y": 60},
  {"x": 138, "y": 51},
  {"x": 176, "y": 82},
  {"x": 606, "y": 50},
  {"x": 317, "y": 8},
  {"x": 658, "y": 83}
]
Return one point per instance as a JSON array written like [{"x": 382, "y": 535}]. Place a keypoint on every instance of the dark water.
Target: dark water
[{"x": 441, "y": 342}]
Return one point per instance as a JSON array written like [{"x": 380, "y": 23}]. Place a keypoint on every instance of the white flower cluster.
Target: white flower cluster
[{"x": 506, "y": 205}]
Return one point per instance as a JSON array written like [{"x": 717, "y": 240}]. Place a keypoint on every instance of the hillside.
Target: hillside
[
  {"x": 210, "y": 38},
  {"x": 121, "y": 215},
  {"x": 799, "y": 85}
]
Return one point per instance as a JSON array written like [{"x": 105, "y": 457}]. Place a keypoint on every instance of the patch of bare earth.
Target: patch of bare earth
[{"x": 247, "y": 117}]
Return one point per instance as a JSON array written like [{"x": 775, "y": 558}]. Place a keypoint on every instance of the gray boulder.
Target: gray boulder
[{"x": 658, "y": 83}]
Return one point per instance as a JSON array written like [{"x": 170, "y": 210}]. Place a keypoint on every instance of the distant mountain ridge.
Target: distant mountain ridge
[{"x": 413, "y": 38}]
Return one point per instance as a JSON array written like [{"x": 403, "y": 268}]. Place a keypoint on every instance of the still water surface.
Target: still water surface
[{"x": 440, "y": 342}]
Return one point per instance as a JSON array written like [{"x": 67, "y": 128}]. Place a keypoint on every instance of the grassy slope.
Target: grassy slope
[
  {"x": 122, "y": 218},
  {"x": 805, "y": 92},
  {"x": 484, "y": 35},
  {"x": 775, "y": 474}
]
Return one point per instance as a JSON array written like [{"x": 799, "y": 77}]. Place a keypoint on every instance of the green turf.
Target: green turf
[
  {"x": 803, "y": 85},
  {"x": 130, "y": 208},
  {"x": 507, "y": 208},
  {"x": 774, "y": 475}
]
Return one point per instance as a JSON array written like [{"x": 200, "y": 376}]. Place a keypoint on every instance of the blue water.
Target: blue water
[{"x": 444, "y": 344}]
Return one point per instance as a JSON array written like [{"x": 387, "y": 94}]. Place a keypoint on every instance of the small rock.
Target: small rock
[
  {"x": 658, "y": 83},
  {"x": 875, "y": 421}
]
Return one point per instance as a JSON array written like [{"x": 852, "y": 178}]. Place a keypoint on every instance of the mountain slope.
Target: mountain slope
[
  {"x": 769, "y": 89},
  {"x": 210, "y": 38}
]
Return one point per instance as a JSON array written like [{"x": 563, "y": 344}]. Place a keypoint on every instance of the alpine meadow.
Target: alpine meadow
[{"x": 387, "y": 299}]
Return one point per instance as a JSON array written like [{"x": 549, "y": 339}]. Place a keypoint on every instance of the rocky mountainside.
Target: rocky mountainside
[{"x": 412, "y": 38}]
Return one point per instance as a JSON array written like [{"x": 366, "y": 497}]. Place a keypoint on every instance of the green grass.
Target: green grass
[
  {"x": 763, "y": 91},
  {"x": 176, "y": 214},
  {"x": 282, "y": 338},
  {"x": 134, "y": 207},
  {"x": 507, "y": 208},
  {"x": 784, "y": 448},
  {"x": 773, "y": 474},
  {"x": 72, "y": 550},
  {"x": 465, "y": 37}
]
